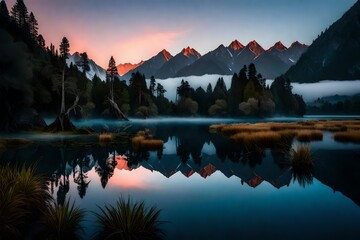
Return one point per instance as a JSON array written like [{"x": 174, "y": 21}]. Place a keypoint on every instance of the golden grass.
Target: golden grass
[
  {"x": 304, "y": 131},
  {"x": 261, "y": 139},
  {"x": 302, "y": 164},
  {"x": 105, "y": 138},
  {"x": 309, "y": 135},
  {"x": 353, "y": 136},
  {"x": 143, "y": 140}
]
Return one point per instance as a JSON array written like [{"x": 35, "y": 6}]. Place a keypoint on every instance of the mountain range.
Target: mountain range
[
  {"x": 222, "y": 60},
  {"x": 334, "y": 55}
]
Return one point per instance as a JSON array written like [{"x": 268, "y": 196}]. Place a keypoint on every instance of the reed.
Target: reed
[
  {"x": 129, "y": 220},
  {"x": 351, "y": 137},
  {"x": 302, "y": 164},
  {"x": 143, "y": 140},
  {"x": 62, "y": 221},
  {"x": 309, "y": 135},
  {"x": 23, "y": 196},
  {"x": 105, "y": 138},
  {"x": 260, "y": 139}
]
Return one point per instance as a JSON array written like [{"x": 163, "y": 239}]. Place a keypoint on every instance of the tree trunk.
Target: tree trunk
[{"x": 62, "y": 109}]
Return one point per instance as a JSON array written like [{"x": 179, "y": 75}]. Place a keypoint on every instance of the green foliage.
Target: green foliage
[
  {"x": 128, "y": 220},
  {"x": 62, "y": 221}
]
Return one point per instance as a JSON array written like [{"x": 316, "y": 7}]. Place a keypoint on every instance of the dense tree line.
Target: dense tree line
[{"x": 37, "y": 76}]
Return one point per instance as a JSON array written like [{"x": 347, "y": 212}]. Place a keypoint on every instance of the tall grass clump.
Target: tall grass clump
[
  {"x": 128, "y": 220},
  {"x": 23, "y": 196},
  {"x": 309, "y": 135},
  {"x": 353, "y": 137},
  {"x": 302, "y": 164},
  {"x": 143, "y": 140},
  {"x": 62, "y": 221}
]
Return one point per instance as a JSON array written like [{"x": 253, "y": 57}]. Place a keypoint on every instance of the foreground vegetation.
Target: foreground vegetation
[
  {"x": 268, "y": 134},
  {"x": 27, "y": 210}
]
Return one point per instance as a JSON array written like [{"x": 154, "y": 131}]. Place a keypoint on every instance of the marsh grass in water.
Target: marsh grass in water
[
  {"x": 353, "y": 136},
  {"x": 143, "y": 140},
  {"x": 267, "y": 134},
  {"x": 62, "y": 221},
  {"x": 129, "y": 220},
  {"x": 309, "y": 135},
  {"x": 302, "y": 164}
]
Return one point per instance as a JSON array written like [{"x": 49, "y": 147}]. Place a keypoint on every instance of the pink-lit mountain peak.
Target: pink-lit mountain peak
[
  {"x": 278, "y": 47},
  {"x": 190, "y": 52},
  {"x": 297, "y": 44},
  {"x": 166, "y": 54},
  {"x": 236, "y": 45},
  {"x": 255, "y": 48}
]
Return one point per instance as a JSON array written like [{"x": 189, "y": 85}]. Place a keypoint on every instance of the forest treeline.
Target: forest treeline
[{"x": 34, "y": 75}]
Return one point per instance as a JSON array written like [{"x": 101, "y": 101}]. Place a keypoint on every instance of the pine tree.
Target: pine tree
[
  {"x": 152, "y": 85},
  {"x": 4, "y": 12},
  {"x": 84, "y": 63},
  {"x": 20, "y": 14},
  {"x": 41, "y": 41},
  {"x": 64, "y": 50},
  {"x": 33, "y": 26},
  {"x": 111, "y": 72}
]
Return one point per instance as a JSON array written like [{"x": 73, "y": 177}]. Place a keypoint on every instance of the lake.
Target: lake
[{"x": 206, "y": 186}]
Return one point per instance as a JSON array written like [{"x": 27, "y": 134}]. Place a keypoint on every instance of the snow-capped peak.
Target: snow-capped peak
[
  {"x": 278, "y": 47},
  {"x": 190, "y": 52},
  {"x": 236, "y": 45},
  {"x": 255, "y": 48}
]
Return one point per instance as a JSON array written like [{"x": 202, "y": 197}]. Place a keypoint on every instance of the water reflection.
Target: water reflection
[{"x": 189, "y": 150}]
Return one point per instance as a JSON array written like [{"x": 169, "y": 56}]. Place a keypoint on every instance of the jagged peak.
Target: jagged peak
[
  {"x": 255, "y": 48},
  {"x": 279, "y": 46},
  {"x": 165, "y": 54},
  {"x": 190, "y": 52},
  {"x": 236, "y": 45},
  {"x": 297, "y": 44}
]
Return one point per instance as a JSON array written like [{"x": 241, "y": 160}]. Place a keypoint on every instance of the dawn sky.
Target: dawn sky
[{"x": 135, "y": 30}]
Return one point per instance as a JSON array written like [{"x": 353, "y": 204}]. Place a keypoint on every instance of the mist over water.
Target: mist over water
[{"x": 309, "y": 91}]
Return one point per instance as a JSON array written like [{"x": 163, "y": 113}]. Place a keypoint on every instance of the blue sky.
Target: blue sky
[{"x": 134, "y": 30}]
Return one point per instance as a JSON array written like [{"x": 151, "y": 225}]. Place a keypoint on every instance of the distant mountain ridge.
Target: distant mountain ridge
[
  {"x": 334, "y": 55},
  {"x": 222, "y": 60},
  {"x": 124, "y": 68},
  {"x": 94, "y": 68}
]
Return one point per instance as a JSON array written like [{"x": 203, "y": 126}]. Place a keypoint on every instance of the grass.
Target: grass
[
  {"x": 302, "y": 164},
  {"x": 105, "y": 138},
  {"x": 23, "y": 195},
  {"x": 62, "y": 221},
  {"x": 309, "y": 135},
  {"x": 353, "y": 136},
  {"x": 267, "y": 134},
  {"x": 261, "y": 139},
  {"x": 128, "y": 220},
  {"x": 13, "y": 143},
  {"x": 143, "y": 140}
]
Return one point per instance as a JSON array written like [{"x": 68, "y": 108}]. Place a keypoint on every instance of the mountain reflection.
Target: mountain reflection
[{"x": 189, "y": 150}]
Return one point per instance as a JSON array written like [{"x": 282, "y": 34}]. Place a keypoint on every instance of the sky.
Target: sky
[{"x": 135, "y": 30}]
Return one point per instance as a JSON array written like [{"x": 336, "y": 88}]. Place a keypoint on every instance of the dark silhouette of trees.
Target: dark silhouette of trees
[
  {"x": 84, "y": 63},
  {"x": 64, "y": 50},
  {"x": 20, "y": 14},
  {"x": 33, "y": 26},
  {"x": 152, "y": 85},
  {"x": 4, "y": 12},
  {"x": 111, "y": 72},
  {"x": 41, "y": 41}
]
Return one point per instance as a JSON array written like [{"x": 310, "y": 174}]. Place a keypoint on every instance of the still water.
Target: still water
[{"x": 206, "y": 186}]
